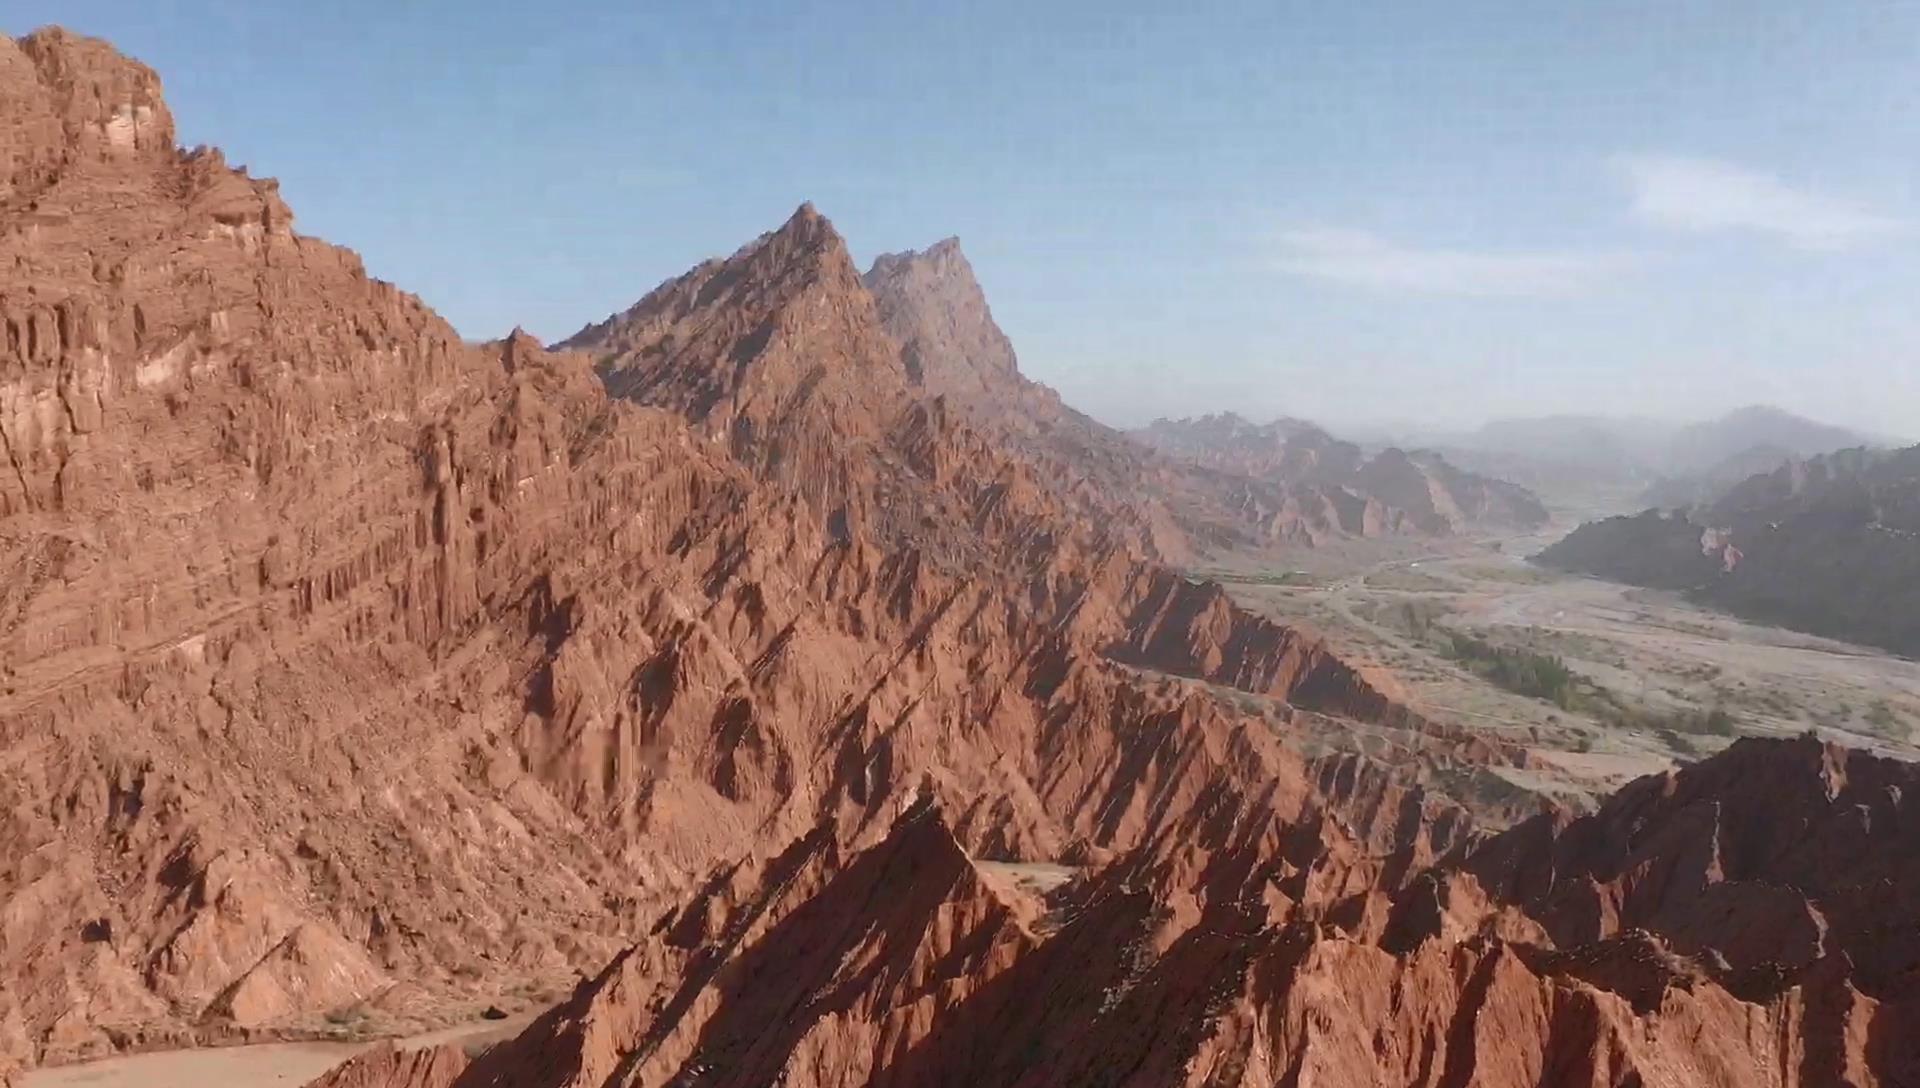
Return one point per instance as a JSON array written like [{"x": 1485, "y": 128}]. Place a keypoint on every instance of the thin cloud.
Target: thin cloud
[
  {"x": 1368, "y": 260},
  {"x": 1702, "y": 195}
]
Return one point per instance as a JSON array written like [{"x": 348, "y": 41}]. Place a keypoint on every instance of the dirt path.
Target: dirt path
[
  {"x": 284, "y": 1064},
  {"x": 269, "y": 1065}
]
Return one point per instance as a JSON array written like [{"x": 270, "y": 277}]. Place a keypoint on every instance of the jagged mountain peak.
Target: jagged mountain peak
[
  {"x": 933, "y": 306},
  {"x": 68, "y": 98},
  {"x": 742, "y": 344},
  {"x": 945, "y": 257},
  {"x": 806, "y": 230},
  {"x": 803, "y": 250}
]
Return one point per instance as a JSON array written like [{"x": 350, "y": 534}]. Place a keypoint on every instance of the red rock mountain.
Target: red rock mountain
[
  {"x": 356, "y": 675},
  {"x": 1193, "y": 485},
  {"x": 349, "y": 670},
  {"x": 934, "y": 307}
]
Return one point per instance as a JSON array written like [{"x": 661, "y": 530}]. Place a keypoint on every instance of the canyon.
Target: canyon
[{"x": 770, "y": 685}]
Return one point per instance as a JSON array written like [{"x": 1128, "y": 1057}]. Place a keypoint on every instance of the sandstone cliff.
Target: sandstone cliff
[{"x": 355, "y": 677}]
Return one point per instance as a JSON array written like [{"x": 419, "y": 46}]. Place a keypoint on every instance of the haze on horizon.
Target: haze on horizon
[{"x": 1425, "y": 215}]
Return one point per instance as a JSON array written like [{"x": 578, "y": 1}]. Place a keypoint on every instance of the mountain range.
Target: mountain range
[
  {"x": 719, "y": 682},
  {"x": 1557, "y": 454},
  {"x": 1394, "y": 488}
]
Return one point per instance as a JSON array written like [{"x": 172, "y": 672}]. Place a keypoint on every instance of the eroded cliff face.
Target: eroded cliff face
[
  {"x": 353, "y": 673},
  {"x": 1677, "y": 937}
]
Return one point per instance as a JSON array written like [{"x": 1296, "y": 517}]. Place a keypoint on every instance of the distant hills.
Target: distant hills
[
  {"x": 1828, "y": 545},
  {"x": 1420, "y": 487},
  {"x": 1699, "y": 447},
  {"x": 1639, "y": 461},
  {"x": 1707, "y": 485},
  {"x": 1216, "y": 482}
]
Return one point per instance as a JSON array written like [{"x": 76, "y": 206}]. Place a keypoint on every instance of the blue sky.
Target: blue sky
[{"x": 1355, "y": 212}]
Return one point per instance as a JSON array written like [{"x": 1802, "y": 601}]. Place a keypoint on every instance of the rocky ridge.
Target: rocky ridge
[
  {"x": 1712, "y": 926},
  {"x": 356, "y": 677},
  {"x": 356, "y": 674},
  {"x": 1184, "y": 487}
]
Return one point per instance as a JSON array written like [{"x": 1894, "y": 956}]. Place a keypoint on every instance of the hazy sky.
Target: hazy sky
[{"x": 1408, "y": 211}]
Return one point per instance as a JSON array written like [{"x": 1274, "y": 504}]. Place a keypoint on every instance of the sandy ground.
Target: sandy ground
[
  {"x": 1388, "y": 602},
  {"x": 285, "y": 1065},
  {"x": 1031, "y": 876}
]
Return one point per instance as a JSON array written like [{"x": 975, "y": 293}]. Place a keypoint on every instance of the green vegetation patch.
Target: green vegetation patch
[
  {"x": 1547, "y": 677},
  {"x": 1513, "y": 575},
  {"x": 1523, "y": 672},
  {"x": 1258, "y": 578}
]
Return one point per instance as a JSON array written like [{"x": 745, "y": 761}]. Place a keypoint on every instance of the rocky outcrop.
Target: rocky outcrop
[
  {"x": 1258, "y": 943},
  {"x": 389, "y": 1066},
  {"x": 934, "y": 307},
  {"x": 1766, "y": 861}
]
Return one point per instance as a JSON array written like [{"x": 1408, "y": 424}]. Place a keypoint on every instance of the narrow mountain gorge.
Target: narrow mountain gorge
[{"x": 721, "y": 677}]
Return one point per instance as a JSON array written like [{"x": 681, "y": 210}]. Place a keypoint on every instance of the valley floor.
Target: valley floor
[
  {"x": 1649, "y": 670},
  {"x": 267, "y": 1065}
]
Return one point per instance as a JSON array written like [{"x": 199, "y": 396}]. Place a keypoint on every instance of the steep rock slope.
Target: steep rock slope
[
  {"x": 271, "y": 533},
  {"x": 934, "y": 307},
  {"x": 350, "y": 673},
  {"x": 1747, "y": 921},
  {"x": 1829, "y": 545}
]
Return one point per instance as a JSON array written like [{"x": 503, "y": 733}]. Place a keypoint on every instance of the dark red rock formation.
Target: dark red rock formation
[
  {"x": 1257, "y": 943},
  {"x": 429, "y": 1067}
]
